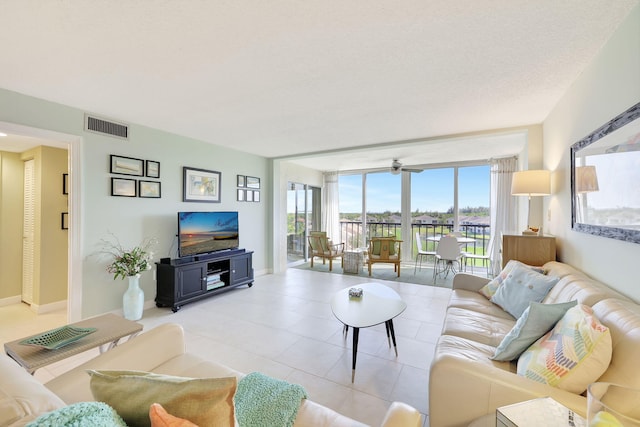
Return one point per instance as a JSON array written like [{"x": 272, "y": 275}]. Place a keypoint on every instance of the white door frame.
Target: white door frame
[{"x": 74, "y": 267}]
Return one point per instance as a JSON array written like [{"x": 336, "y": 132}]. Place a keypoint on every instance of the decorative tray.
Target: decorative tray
[{"x": 57, "y": 338}]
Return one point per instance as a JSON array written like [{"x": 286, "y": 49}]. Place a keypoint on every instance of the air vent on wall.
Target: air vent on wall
[{"x": 106, "y": 127}]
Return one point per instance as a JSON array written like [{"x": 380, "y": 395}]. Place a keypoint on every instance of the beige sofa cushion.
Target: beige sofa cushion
[
  {"x": 480, "y": 327},
  {"x": 22, "y": 397}
]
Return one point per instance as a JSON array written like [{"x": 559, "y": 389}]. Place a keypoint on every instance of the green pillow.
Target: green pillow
[
  {"x": 203, "y": 401},
  {"x": 537, "y": 320},
  {"x": 83, "y": 414}
]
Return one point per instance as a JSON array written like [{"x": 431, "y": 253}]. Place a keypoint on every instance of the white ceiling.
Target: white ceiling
[{"x": 281, "y": 78}]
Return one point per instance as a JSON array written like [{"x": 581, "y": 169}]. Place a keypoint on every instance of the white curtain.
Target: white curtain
[
  {"x": 503, "y": 218},
  {"x": 331, "y": 208}
]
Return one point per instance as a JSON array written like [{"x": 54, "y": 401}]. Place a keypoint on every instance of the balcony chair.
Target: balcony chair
[
  {"x": 422, "y": 253},
  {"x": 486, "y": 258},
  {"x": 384, "y": 249},
  {"x": 448, "y": 254},
  {"x": 321, "y": 246}
]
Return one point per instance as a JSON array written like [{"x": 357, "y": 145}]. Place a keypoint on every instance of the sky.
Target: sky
[{"x": 431, "y": 190}]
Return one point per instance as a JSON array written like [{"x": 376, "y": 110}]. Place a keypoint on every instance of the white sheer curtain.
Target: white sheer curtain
[
  {"x": 503, "y": 218},
  {"x": 331, "y": 208}
]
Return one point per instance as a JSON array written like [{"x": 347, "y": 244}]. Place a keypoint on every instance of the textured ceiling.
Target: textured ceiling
[{"x": 280, "y": 78}]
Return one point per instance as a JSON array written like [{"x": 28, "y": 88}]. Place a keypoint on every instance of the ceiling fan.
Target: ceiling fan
[{"x": 396, "y": 168}]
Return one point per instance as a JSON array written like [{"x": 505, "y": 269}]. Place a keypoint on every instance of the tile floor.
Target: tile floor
[{"x": 283, "y": 326}]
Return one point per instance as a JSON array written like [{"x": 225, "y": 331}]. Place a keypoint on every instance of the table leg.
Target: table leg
[
  {"x": 356, "y": 332},
  {"x": 389, "y": 324},
  {"x": 386, "y": 325}
]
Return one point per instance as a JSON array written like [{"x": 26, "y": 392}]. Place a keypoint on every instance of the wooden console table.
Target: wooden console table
[
  {"x": 531, "y": 250},
  {"x": 109, "y": 329}
]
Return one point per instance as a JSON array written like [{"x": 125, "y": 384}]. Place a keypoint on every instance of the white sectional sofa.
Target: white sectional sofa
[
  {"x": 465, "y": 384},
  {"x": 160, "y": 350}
]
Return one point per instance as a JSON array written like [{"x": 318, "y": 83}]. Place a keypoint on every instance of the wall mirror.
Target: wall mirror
[{"x": 605, "y": 179}]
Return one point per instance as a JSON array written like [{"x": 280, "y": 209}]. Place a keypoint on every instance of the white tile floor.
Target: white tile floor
[{"x": 283, "y": 326}]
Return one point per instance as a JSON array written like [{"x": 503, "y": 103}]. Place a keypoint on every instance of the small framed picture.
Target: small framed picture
[
  {"x": 123, "y": 187},
  {"x": 256, "y": 196},
  {"x": 240, "y": 195},
  {"x": 201, "y": 185},
  {"x": 127, "y": 166},
  {"x": 152, "y": 169},
  {"x": 65, "y": 183},
  {"x": 249, "y": 196},
  {"x": 241, "y": 181},
  {"x": 253, "y": 182},
  {"x": 64, "y": 220},
  {"x": 149, "y": 189}
]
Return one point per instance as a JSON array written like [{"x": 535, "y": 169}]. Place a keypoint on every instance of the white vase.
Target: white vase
[{"x": 133, "y": 299}]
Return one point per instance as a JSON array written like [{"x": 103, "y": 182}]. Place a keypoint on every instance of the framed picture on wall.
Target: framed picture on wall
[
  {"x": 200, "y": 185},
  {"x": 256, "y": 196},
  {"x": 241, "y": 181},
  {"x": 123, "y": 187},
  {"x": 240, "y": 195},
  {"x": 126, "y": 166},
  {"x": 152, "y": 169},
  {"x": 65, "y": 183},
  {"x": 64, "y": 220},
  {"x": 253, "y": 182},
  {"x": 149, "y": 189}
]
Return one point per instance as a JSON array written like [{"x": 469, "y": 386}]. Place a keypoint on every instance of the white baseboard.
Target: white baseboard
[
  {"x": 48, "y": 308},
  {"x": 10, "y": 300}
]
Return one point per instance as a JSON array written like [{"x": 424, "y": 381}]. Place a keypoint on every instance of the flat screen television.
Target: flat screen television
[{"x": 206, "y": 232}]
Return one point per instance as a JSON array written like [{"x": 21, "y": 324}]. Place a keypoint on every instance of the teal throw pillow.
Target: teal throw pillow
[
  {"x": 522, "y": 286},
  {"x": 83, "y": 414},
  {"x": 537, "y": 320}
]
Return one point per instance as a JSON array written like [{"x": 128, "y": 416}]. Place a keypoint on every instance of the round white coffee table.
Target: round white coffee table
[{"x": 378, "y": 304}]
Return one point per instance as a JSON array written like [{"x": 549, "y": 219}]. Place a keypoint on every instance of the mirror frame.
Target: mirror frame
[{"x": 611, "y": 126}]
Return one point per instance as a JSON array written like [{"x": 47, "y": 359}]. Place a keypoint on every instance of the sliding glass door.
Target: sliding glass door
[{"x": 303, "y": 215}]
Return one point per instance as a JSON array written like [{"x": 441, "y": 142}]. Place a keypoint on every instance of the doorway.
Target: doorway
[{"x": 24, "y": 138}]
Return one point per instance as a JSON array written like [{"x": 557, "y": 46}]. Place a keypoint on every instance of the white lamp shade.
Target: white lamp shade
[{"x": 531, "y": 183}]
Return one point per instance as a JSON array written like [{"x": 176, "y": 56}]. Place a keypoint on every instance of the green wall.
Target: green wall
[{"x": 133, "y": 219}]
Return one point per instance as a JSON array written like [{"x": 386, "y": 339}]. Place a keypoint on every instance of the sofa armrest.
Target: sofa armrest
[
  {"x": 402, "y": 415},
  {"x": 143, "y": 353},
  {"x": 462, "y": 390},
  {"x": 469, "y": 282}
]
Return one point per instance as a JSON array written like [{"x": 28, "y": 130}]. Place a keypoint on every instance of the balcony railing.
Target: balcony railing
[{"x": 353, "y": 236}]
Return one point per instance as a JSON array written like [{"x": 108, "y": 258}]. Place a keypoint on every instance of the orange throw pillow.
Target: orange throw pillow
[{"x": 161, "y": 418}]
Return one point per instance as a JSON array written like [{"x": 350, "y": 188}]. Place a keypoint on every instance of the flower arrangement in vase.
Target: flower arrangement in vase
[{"x": 130, "y": 263}]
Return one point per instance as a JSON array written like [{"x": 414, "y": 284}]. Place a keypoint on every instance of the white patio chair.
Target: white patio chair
[
  {"x": 486, "y": 258},
  {"x": 448, "y": 254},
  {"x": 421, "y": 253}
]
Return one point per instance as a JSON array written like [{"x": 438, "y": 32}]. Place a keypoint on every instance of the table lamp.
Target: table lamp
[{"x": 531, "y": 183}]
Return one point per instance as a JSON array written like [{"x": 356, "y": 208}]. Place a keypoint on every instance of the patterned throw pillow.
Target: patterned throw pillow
[
  {"x": 490, "y": 288},
  {"x": 575, "y": 353}
]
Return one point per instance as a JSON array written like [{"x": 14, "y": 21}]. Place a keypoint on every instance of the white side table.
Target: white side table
[{"x": 538, "y": 412}]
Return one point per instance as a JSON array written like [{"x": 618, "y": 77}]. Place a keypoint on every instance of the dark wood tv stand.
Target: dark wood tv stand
[{"x": 184, "y": 280}]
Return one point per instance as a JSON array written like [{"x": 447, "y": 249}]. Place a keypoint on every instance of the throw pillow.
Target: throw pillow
[
  {"x": 575, "y": 353},
  {"x": 537, "y": 320},
  {"x": 203, "y": 401},
  {"x": 490, "y": 288},
  {"x": 522, "y": 286},
  {"x": 161, "y": 418},
  {"x": 83, "y": 414}
]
